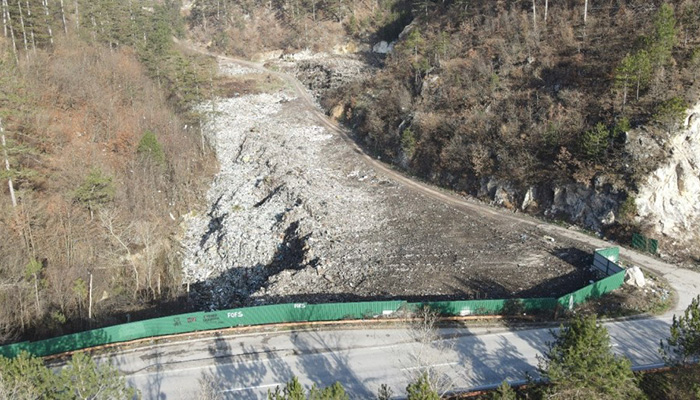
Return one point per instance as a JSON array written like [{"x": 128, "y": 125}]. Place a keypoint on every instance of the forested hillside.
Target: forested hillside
[
  {"x": 100, "y": 158},
  {"x": 480, "y": 89},
  {"x": 530, "y": 103}
]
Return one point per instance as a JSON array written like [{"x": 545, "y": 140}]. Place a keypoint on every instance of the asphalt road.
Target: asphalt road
[{"x": 247, "y": 366}]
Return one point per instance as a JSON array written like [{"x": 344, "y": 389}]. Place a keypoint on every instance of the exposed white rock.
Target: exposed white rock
[
  {"x": 383, "y": 47},
  {"x": 592, "y": 207},
  {"x": 304, "y": 55},
  {"x": 669, "y": 200},
  {"x": 230, "y": 69},
  {"x": 529, "y": 199},
  {"x": 635, "y": 277},
  {"x": 267, "y": 55}
]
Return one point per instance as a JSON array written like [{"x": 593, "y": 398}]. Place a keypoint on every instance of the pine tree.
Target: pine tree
[
  {"x": 664, "y": 38},
  {"x": 384, "y": 392},
  {"x": 333, "y": 392},
  {"x": 671, "y": 113},
  {"x": 594, "y": 143},
  {"x": 83, "y": 379},
  {"x": 683, "y": 346},
  {"x": 150, "y": 148},
  {"x": 642, "y": 69},
  {"x": 623, "y": 77},
  {"x": 504, "y": 392},
  {"x": 26, "y": 377},
  {"x": 96, "y": 190},
  {"x": 580, "y": 365},
  {"x": 421, "y": 390},
  {"x": 292, "y": 391}
]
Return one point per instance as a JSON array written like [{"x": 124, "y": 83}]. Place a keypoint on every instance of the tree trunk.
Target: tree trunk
[
  {"x": 585, "y": 12},
  {"x": 7, "y": 166},
  {"x": 108, "y": 223},
  {"x": 21, "y": 309},
  {"x": 4, "y": 20},
  {"x": 90, "y": 299},
  {"x": 12, "y": 30},
  {"x": 546, "y": 9},
  {"x": 48, "y": 20},
  {"x": 534, "y": 16},
  {"x": 63, "y": 18},
  {"x": 24, "y": 30},
  {"x": 36, "y": 294},
  {"x": 31, "y": 27},
  {"x": 31, "y": 248}
]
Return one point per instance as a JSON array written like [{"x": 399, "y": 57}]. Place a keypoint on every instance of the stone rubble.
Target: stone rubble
[
  {"x": 635, "y": 277},
  {"x": 296, "y": 215},
  {"x": 271, "y": 200}
]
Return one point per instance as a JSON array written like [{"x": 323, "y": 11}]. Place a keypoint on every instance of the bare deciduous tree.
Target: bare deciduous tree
[
  {"x": 4, "y": 19},
  {"x": 11, "y": 29},
  {"x": 7, "y": 166},
  {"x": 108, "y": 220},
  {"x": 63, "y": 18},
  {"x": 45, "y": 3},
  {"x": 24, "y": 30},
  {"x": 430, "y": 351}
]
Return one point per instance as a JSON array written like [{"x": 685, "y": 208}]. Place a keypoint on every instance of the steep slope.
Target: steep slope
[
  {"x": 531, "y": 107},
  {"x": 99, "y": 150},
  {"x": 667, "y": 201}
]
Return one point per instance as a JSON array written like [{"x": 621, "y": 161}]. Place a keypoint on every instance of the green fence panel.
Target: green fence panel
[
  {"x": 611, "y": 253},
  {"x": 193, "y": 322},
  {"x": 541, "y": 304},
  {"x": 639, "y": 242},
  {"x": 653, "y": 246},
  {"x": 362, "y": 310},
  {"x": 594, "y": 290},
  {"x": 487, "y": 307},
  {"x": 463, "y": 308},
  {"x": 605, "y": 261},
  {"x": 645, "y": 244},
  {"x": 13, "y": 350},
  {"x": 301, "y": 312}
]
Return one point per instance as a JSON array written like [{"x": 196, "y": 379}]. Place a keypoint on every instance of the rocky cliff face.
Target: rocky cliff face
[
  {"x": 592, "y": 207},
  {"x": 669, "y": 199}
]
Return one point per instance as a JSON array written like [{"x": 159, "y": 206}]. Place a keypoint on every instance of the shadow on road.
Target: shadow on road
[
  {"x": 240, "y": 372},
  {"x": 322, "y": 360}
]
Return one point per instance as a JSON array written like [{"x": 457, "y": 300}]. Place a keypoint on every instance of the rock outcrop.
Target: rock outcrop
[
  {"x": 635, "y": 277},
  {"x": 592, "y": 207},
  {"x": 668, "y": 202}
]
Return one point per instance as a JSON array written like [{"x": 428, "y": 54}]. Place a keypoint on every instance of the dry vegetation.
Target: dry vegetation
[
  {"x": 245, "y": 27},
  {"x": 488, "y": 90},
  {"x": 475, "y": 90},
  {"x": 103, "y": 167}
]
